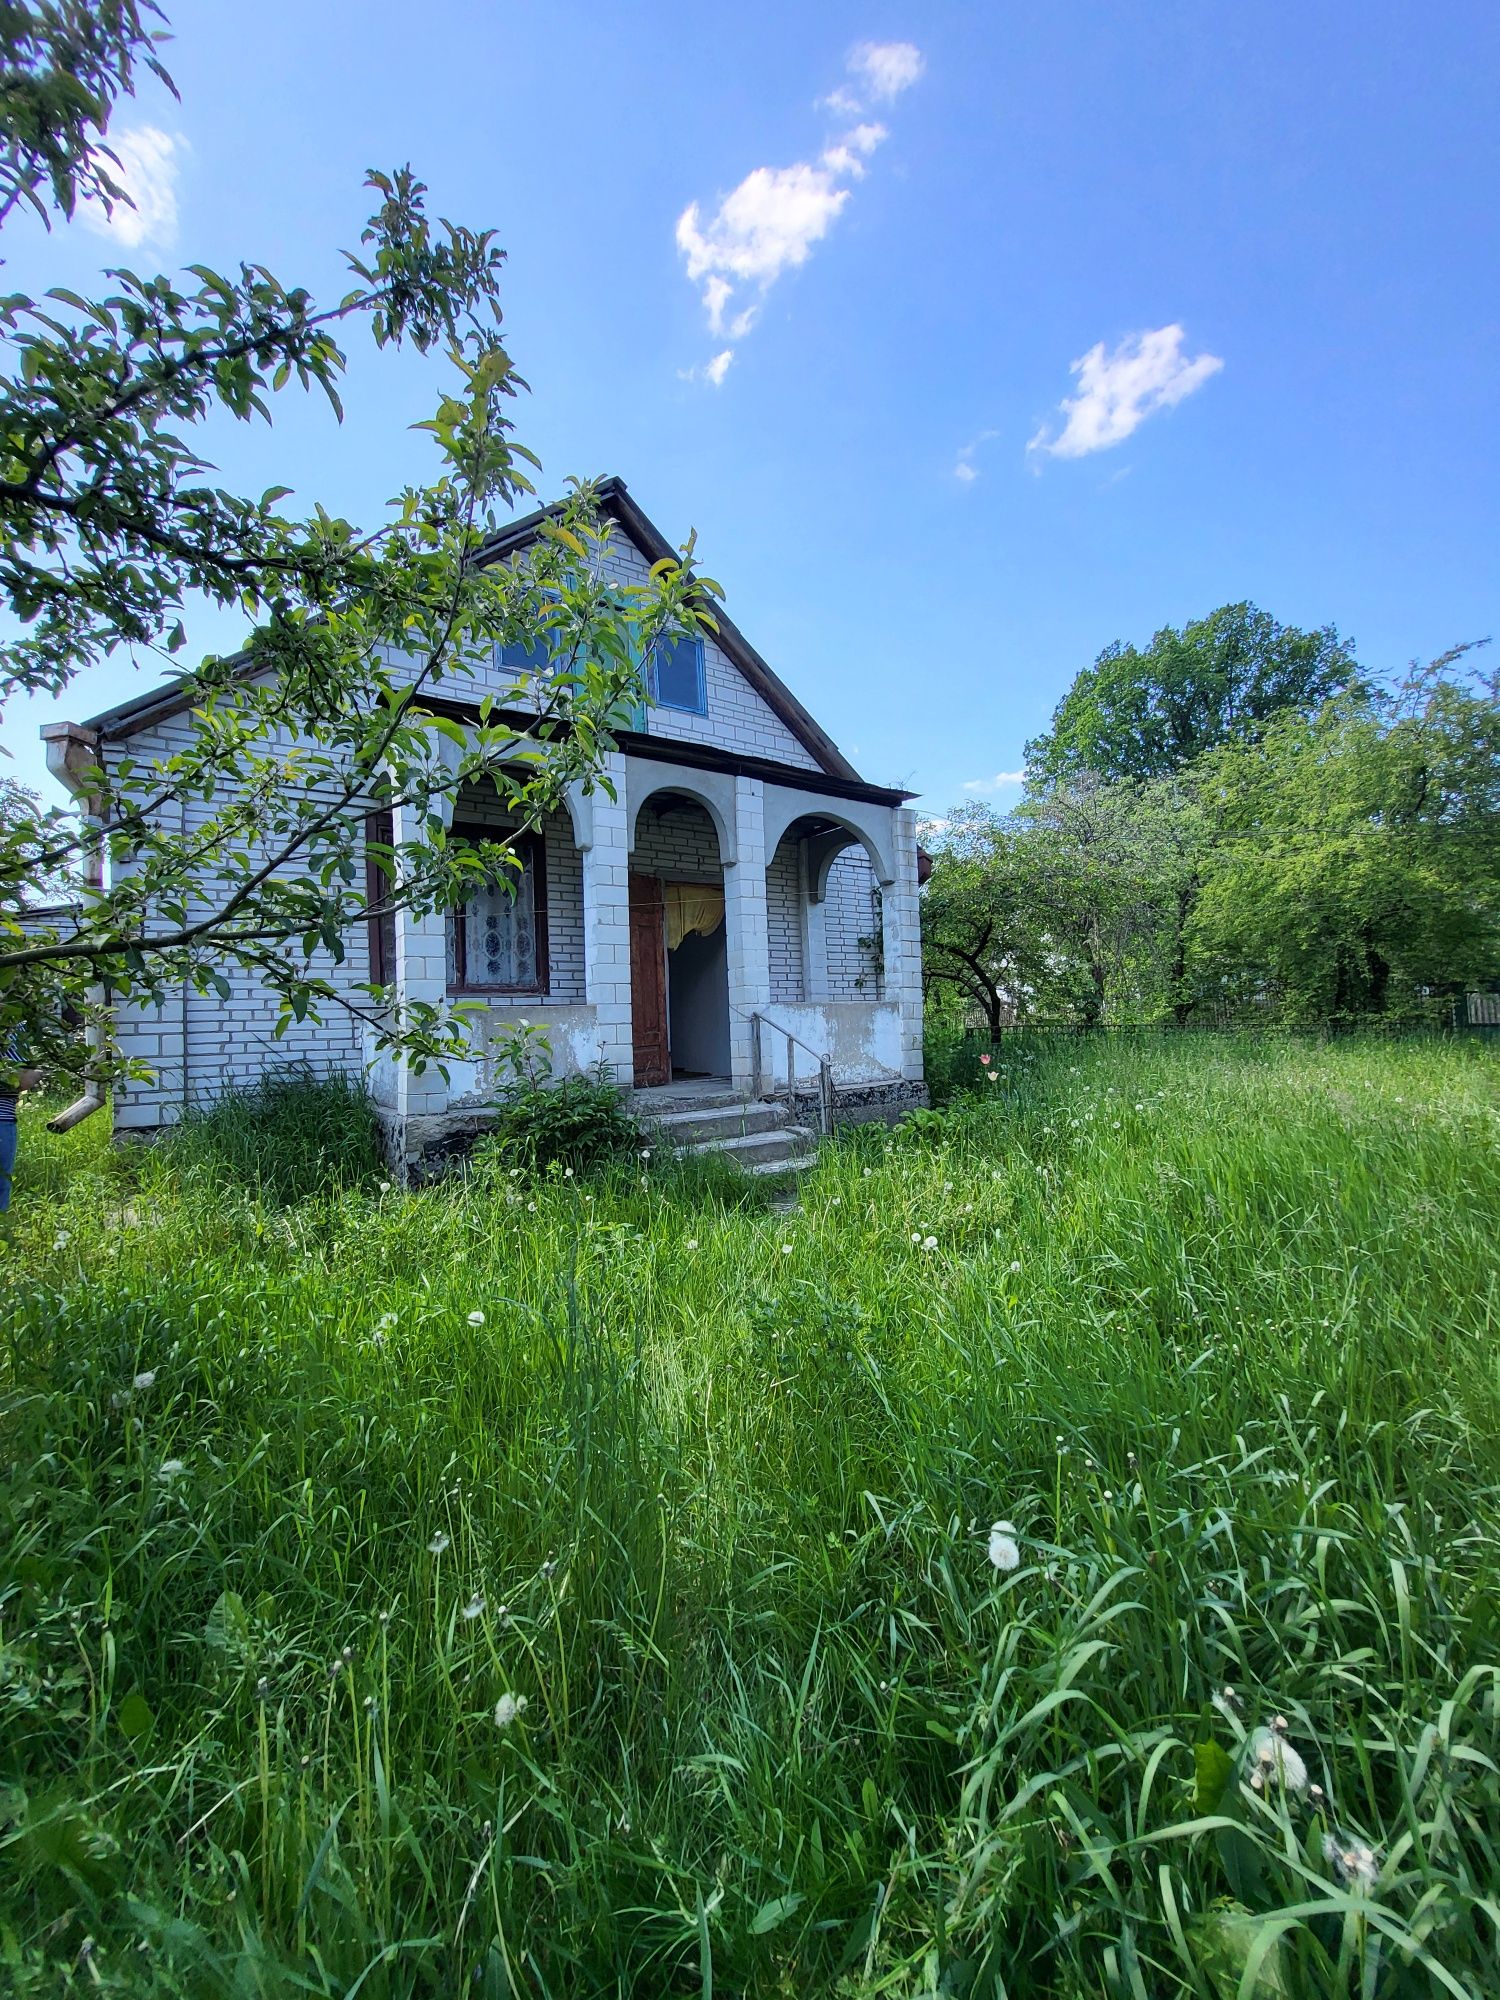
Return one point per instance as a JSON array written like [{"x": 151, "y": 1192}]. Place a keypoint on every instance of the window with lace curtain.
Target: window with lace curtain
[{"x": 497, "y": 937}]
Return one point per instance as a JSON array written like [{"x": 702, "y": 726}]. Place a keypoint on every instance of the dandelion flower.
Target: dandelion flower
[
  {"x": 929, "y": 1243},
  {"x": 475, "y": 1607},
  {"x": 508, "y": 1708},
  {"x": 439, "y": 1542},
  {"x": 1015, "y": 1265},
  {"x": 145, "y": 1380},
  {"x": 385, "y": 1187},
  {"x": 1005, "y": 1550},
  {"x": 476, "y": 1318},
  {"x": 1353, "y": 1864},
  {"x": 786, "y": 1249},
  {"x": 1270, "y": 1759}
]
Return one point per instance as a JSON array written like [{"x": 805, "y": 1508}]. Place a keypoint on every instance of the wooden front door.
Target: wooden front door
[{"x": 648, "y": 981}]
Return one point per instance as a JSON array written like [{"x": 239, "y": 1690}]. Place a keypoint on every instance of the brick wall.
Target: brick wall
[
  {"x": 679, "y": 844},
  {"x": 784, "y": 921},
  {"x": 852, "y": 912}
]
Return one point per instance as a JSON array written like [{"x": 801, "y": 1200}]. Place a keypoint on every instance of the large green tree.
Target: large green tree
[
  {"x": 1138, "y": 715},
  {"x": 247, "y": 848},
  {"x": 1354, "y": 863}
]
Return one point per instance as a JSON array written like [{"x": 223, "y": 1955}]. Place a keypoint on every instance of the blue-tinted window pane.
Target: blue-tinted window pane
[
  {"x": 678, "y": 675},
  {"x": 520, "y": 658}
]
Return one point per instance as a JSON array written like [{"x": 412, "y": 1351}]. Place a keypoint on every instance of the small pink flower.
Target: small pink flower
[{"x": 986, "y": 1060}]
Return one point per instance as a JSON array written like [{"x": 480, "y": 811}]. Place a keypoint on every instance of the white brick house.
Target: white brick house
[{"x": 746, "y": 899}]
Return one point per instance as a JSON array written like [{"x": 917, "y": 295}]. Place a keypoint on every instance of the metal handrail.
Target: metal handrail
[{"x": 758, "y": 1020}]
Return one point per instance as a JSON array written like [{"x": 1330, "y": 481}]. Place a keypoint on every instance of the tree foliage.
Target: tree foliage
[
  {"x": 1334, "y": 863},
  {"x": 245, "y": 848},
  {"x": 1356, "y": 852},
  {"x": 1136, "y": 716}
]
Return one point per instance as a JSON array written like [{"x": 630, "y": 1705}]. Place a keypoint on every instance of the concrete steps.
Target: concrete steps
[{"x": 692, "y": 1117}]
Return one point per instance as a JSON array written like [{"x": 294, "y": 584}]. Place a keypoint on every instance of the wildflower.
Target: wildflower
[
  {"x": 439, "y": 1542},
  {"x": 1272, "y": 1760},
  {"x": 868, "y": 1172},
  {"x": 508, "y": 1708},
  {"x": 1015, "y": 1265},
  {"x": 549, "y": 1568},
  {"x": 61, "y": 1240},
  {"x": 385, "y": 1187},
  {"x": 531, "y": 1208},
  {"x": 476, "y": 1318},
  {"x": 786, "y": 1249},
  {"x": 929, "y": 1243},
  {"x": 567, "y": 1173},
  {"x": 1354, "y": 1865},
  {"x": 986, "y": 1060},
  {"x": 992, "y": 1076},
  {"x": 1005, "y": 1550},
  {"x": 171, "y": 1468},
  {"x": 475, "y": 1607},
  {"x": 645, "y": 1152},
  {"x": 691, "y": 1244},
  {"x": 145, "y": 1380}
]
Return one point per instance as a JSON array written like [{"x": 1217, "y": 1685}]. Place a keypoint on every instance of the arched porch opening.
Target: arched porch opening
[
  {"x": 679, "y": 951},
  {"x": 823, "y": 913}
]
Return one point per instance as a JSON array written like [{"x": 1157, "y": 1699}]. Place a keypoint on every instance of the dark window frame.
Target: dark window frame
[
  {"x": 380, "y": 826},
  {"x": 532, "y": 849}
]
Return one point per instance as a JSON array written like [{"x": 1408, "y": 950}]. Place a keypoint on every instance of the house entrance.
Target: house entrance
[{"x": 679, "y": 980}]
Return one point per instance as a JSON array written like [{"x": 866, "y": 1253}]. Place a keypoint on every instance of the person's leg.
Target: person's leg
[{"x": 7, "y": 1160}]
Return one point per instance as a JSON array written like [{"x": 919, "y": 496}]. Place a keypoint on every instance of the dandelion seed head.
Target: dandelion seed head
[
  {"x": 508, "y": 1709},
  {"x": 439, "y": 1542},
  {"x": 1353, "y": 1864},
  {"x": 476, "y": 1318},
  {"x": 1272, "y": 1759},
  {"x": 1004, "y": 1549},
  {"x": 475, "y": 1607},
  {"x": 145, "y": 1380}
]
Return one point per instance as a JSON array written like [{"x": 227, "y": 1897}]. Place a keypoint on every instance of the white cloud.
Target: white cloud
[
  {"x": 997, "y": 783},
  {"x": 886, "y": 68},
  {"x": 1119, "y": 388},
  {"x": 771, "y": 222},
  {"x": 964, "y": 468},
  {"x": 149, "y": 161},
  {"x": 841, "y": 101}
]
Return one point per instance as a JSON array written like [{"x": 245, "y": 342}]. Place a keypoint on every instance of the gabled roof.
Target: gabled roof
[{"x": 615, "y": 502}]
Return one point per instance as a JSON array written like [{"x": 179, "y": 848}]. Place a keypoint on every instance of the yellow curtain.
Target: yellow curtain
[{"x": 692, "y": 906}]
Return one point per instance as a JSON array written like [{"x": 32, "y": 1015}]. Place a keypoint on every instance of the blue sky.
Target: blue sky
[{"x": 1253, "y": 248}]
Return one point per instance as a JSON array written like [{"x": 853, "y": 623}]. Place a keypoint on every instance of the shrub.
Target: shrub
[{"x": 581, "y": 1123}]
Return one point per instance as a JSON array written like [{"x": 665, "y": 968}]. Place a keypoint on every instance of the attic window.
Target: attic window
[{"x": 677, "y": 677}]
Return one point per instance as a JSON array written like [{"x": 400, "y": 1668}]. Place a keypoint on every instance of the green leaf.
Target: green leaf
[
  {"x": 134, "y": 1717},
  {"x": 1213, "y": 1768},
  {"x": 228, "y": 1624},
  {"x": 769, "y": 1915}
]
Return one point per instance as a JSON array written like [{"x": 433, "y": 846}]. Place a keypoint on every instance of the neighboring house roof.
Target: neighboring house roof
[{"x": 614, "y": 499}]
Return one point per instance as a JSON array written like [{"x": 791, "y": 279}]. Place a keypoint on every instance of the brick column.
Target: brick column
[
  {"x": 902, "y": 942},
  {"x": 606, "y": 922},
  {"x": 746, "y": 932}
]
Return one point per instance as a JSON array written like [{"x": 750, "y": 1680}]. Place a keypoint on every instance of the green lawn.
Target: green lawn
[{"x": 574, "y": 1588}]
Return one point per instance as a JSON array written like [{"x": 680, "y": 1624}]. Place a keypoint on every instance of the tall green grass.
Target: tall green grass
[{"x": 553, "y": 1587}]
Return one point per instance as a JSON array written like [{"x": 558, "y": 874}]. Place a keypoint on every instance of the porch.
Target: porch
[{"x": 703, "y": 926}]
